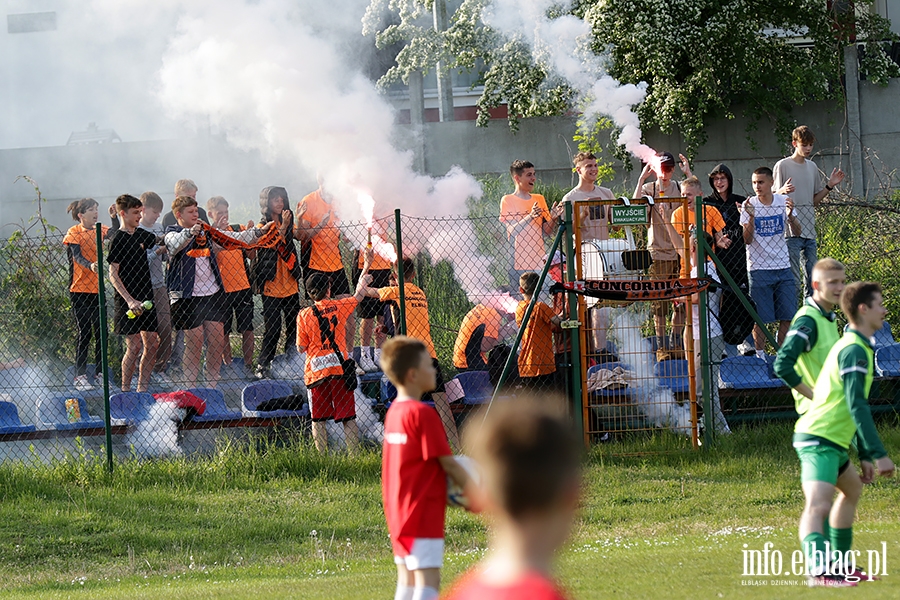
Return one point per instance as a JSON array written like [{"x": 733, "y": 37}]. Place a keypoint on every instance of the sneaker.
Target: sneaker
[
  {"x": 829, "y": 581},
  {"x": 82, "y": 384},
  {"x": 359, "y": 370},
  {"x": 746, "y": 349},
  {"x": 367, "y": 364},
  {"x": 261, "y": 373}
]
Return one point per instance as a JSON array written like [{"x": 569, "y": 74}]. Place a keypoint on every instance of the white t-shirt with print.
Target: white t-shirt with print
[{"x": 768, "y": 251}]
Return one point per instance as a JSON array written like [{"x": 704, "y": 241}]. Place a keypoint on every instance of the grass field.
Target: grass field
[{"x": 283, "y": 522}]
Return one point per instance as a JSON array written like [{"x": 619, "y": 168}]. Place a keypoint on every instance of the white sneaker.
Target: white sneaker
[
  {"x": 82, "y": 384},
  {"x": 367, "y": 364},
  {"x": 746, "y": 349}
]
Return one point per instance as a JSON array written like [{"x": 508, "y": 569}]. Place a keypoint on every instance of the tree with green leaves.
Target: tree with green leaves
[{"x": 701, "y": 59}]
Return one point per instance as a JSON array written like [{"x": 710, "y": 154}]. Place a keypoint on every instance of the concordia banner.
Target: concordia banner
[{"x": 633, "y": 290}]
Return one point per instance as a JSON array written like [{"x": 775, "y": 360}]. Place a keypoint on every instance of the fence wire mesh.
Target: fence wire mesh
[{"x": 233, "y": 340}]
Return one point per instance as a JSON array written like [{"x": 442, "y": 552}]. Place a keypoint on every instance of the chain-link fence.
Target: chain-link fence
[{"x": 222, "y": 363}]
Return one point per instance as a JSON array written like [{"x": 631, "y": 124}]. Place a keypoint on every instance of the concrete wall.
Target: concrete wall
[{"x": 105, "y": 171}]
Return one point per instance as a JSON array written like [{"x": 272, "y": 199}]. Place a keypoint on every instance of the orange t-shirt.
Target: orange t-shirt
[
  {"x": 325, "y": 254},
  {"x": 536, "y": 357},
  {"x": 379, "y": 263},
  {"x": 480, "y": 315},
  {"x": 529, "y": 244},
  {"x": 712, "y": 222},
  {"x": 283, "y": 285},
  {"x": 321, "y": 361},
  {"x": 417, "y": 324},
  {"x": 232, "y": 269},
  {"x": 82, "y": 279}
]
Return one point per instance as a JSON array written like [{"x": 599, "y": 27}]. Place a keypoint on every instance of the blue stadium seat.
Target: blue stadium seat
[
  {"x": 258, "y": 392},
  {"x": 887, "y": 360},
  {"x": 470, "y": 387},
  {"x": 388, "y": 391},
  {"x": 52, "y": 414},
  {"x": 620, "y": 393},
  {"x": 747, "y": 373},
  {"x": 884, "y": 336},
  {"x": 673, "y": 374},
  {"x": 215, "y": 406},
  {"x": 130, "y": 407},
  {"x": 9, "y": 419}
]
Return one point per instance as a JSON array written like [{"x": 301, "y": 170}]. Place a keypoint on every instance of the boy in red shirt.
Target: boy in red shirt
[
  {"x": 415, "y": 465},
  {"x": 529, "y": 458}
]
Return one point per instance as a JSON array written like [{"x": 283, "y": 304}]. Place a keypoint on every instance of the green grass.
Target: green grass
[{"x": 270, "y": 521}]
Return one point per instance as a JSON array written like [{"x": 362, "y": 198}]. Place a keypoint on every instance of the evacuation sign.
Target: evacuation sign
[{"x": 630, "y": 215}]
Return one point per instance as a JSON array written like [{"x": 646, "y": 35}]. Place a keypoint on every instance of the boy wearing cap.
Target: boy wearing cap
[
  {"x": 663, "y": 240},
  {"x": 321, "y": 334}
]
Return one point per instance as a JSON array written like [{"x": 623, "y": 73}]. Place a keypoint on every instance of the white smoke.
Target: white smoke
[
  {"x": 657, "y": 403},
  {"x": 157, "y": 435},
  {"x": 562, "y": 44},
  {"x": 370, "y": 428},
  {"x": 260, "y": 74}
]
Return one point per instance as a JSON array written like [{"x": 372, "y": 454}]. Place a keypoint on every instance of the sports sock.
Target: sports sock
[
  {"x": 841, "y": 539},
  {"x": 404, "y": 592},
  {"x": 425, "y": 593},
  {"x": 813, "y": 543},
  {"x": 826, "y": 531}
]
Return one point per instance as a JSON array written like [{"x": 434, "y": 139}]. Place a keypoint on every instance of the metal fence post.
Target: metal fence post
[
  {"x": 703, "y": 310},
  {"x": 574, "y": 335},
  {"x": 540, "y": 284},
  {"x": 401, "y": 276},
  {"x": 104, "y": 358}
]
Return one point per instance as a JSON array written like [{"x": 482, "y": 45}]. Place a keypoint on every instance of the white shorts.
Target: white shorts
[{"x": 426, "y": 553}]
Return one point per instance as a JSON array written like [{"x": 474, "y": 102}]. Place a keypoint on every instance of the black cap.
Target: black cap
[{"x": 666, "y": 158}]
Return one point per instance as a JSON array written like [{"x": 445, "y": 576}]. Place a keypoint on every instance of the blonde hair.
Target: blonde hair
[{"x": 183, "y": 187}]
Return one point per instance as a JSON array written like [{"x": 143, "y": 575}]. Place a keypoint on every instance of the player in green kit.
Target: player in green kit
[
  {"x": 838, "y": 415},
  {"x": 812, "y": 334}
]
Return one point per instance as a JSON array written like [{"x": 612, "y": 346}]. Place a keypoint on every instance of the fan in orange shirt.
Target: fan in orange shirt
[
  {"x": 537, "y": 363},
  {"x": 713, "y": 223},
  {"x": 419, "y": 327},
  {"x": 320, "y": 334},
  {"x": 81, "y": 246},
  {"x": 235, "y": 284},
  {"x": 527, "y": 220}
]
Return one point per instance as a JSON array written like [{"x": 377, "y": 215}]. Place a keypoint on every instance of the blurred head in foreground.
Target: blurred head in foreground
[{"x": 530, "y": 459}]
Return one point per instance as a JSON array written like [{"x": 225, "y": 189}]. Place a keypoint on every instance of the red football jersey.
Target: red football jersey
[
  {"x": 532, "y": 586},
  {"x": 413, "y": 483}
]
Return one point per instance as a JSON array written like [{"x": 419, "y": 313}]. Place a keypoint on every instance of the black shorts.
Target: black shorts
[
  {"x": 337, "y": 280},
  {"x": 122, "y": 325},
  {"x": 190, "y": 313},
  {"x": 239, "y": 304},
  {"x": 369, "y": 308}
]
